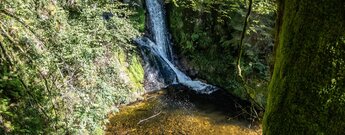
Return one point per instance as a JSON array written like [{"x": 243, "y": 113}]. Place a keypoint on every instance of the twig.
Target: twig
[
  {"x": 141, "y": 121},
  {"x": 240, "y": 46},
  {"x": 20, "y": 21},
  {"x": 238, "y": 62},
  {"x": 46, "y": 84},
  {"x": 4, "y": 33},
  {"x": 7, "y": 57},
  {"x": 33, "y": 97}
]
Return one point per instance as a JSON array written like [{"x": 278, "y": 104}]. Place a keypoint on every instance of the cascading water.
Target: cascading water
[{"x": 156, "y": 50}]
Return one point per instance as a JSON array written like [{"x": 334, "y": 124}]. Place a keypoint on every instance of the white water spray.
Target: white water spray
[{"x": 160, "y": 69}]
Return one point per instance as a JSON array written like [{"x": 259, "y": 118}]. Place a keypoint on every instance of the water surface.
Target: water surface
[{"x": 160, "y": 114}]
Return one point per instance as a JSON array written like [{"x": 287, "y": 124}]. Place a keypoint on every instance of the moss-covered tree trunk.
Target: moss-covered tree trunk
[{"x": 307, "y": 90}]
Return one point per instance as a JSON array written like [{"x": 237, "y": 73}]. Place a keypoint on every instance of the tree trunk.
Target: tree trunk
[{"x": 307, "y": 90}]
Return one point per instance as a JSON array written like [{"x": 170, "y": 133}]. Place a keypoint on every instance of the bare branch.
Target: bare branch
[{"x": 141, "y": 121}]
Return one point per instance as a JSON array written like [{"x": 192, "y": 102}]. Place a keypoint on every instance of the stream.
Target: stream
[{"x": 164, "y": 113}]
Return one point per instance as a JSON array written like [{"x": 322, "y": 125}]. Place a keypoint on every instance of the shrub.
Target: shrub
[{"x": 65, "y": 65}]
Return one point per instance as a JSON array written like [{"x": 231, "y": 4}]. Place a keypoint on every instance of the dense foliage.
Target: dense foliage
[
  {"x": 207, "y": 33},
  {"x": 64, "y": 65}
]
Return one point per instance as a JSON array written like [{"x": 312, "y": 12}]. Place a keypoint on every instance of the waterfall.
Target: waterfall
[
  {"x": 156, "y": 50},
  {"x": 158, "y": 27}
]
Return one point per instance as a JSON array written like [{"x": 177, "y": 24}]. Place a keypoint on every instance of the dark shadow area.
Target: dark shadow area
[{"x": 220, "y": 101}]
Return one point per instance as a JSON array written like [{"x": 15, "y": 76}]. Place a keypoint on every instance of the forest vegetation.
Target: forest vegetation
[{"x": 73, "y": 66}]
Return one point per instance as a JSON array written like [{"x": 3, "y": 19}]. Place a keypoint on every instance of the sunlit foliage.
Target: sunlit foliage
[{"x": 64, "y": 65}]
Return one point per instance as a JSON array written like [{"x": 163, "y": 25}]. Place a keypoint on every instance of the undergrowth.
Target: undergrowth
[{"x": 64, "y": 65}]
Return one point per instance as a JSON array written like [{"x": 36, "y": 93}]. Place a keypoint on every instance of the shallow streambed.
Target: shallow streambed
[{"x": 160, "y": 113}]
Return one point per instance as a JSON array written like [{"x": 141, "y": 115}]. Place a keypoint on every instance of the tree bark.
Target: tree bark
[{"x": 307, "y": 90}]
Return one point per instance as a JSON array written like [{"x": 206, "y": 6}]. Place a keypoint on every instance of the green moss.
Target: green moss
[
  {"x": 131, "y": 64},
  {"x": 136, "y": 72},
  {"x": 306, "y": 93}
]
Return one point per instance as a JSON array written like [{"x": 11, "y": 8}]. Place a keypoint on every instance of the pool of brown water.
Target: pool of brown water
[{"x": 161, "y": 114}]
